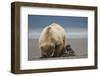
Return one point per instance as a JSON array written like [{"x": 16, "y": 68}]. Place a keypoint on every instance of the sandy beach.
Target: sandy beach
[{"x": 79, "y": 45}]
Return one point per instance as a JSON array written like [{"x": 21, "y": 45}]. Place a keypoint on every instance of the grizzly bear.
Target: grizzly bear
[{"x": 52, "y": 41}]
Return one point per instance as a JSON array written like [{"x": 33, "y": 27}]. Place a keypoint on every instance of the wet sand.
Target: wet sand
[{"x": 79, "y": 45}]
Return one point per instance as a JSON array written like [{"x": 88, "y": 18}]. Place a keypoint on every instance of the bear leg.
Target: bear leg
[{"x": 59, "y": 50}]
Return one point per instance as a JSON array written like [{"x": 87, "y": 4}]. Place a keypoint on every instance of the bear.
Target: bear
[
  {"x": 52, "y": 41},
  {"x": 68, "y": 51}
]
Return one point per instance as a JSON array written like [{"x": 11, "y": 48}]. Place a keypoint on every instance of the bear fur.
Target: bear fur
[{"x": 52, "y": 41}]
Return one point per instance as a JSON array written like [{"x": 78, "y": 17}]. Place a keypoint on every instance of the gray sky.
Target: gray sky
[{"x": 74, "y": 26}]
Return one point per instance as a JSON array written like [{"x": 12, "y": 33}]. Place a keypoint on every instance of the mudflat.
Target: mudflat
[{"x": 79, "y": 45}]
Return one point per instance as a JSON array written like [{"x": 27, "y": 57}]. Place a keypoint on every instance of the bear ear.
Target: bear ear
[{"x": 68, "y": 45}]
